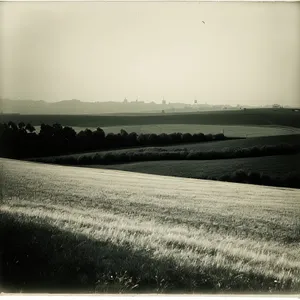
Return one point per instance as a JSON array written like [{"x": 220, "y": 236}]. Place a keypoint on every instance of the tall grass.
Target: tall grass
[{"x": 79, "y": 229}]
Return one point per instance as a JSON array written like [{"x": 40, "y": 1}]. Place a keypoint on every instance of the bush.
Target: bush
[
  {"x": 198, "y": 137},
  {"x": 239, "y": 176},
  {"x": 208, "y": 137},
  {"x": 219, "y": 137},
  {"x": 253, "y": 178},
  {"x": 85, "y": 160},
  {"x": 187, "y": 138},
  {"x": 292, "y": 180},
  {"x": 265, "y": 179},
  {"x": 164, "y": 138}
]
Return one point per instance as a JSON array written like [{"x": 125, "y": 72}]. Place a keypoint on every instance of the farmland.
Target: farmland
[
  {"x": 229, "y": 130},
  {"x": 250, "y": 117},
  {"x": 73, "y": 228},
  {"x": 257, "y": 159},
  {"x": 275, "y": 166},
  {"x": 207, "y": 146}
]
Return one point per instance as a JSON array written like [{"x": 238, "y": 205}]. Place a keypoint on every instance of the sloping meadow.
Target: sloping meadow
[{"x": 77, "y": 229}]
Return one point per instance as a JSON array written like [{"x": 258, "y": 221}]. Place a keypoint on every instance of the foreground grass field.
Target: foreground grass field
[
  {"x": 273, "y": 166},
  {"x": 82, "y": 229},
  {"x": 229, "y": 130}
]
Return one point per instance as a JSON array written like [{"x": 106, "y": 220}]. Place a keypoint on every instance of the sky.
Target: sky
[{"x": 242, "y": 53}]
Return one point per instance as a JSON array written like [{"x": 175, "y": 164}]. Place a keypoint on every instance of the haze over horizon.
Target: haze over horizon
[{"x": 233, "y": 53}]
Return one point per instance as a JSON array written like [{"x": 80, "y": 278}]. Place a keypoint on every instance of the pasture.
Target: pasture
[
  {"x": 273, "y": 166},
  {"x": 205, "y": 146},
  {"x": 250, "y": 117},
  {"x": 74, "y": 229}
]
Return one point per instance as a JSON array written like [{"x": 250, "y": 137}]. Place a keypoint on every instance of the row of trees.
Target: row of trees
[{"x": 22, "y": 141}]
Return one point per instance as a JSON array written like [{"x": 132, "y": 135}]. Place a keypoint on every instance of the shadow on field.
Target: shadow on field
[{"x": 42, "y": 258}]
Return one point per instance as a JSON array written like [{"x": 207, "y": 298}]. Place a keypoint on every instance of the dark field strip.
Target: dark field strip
[
  {"x": 208, "y": 146},
  {"x": 242, "y": 143},
  {"x": 273, "y": 166},
  {"x": 282, "y": 117}
]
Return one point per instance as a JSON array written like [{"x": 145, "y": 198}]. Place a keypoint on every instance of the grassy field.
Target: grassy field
[
  {"x": 273, "y": 166},
  {"x": 280, "y": 117},
  {"x": 82, "y": 229},
  {"x": 229, "y": 130}
]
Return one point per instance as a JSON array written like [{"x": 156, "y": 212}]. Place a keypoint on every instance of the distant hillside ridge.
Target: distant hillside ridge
[{"x": 75, "y": 106}]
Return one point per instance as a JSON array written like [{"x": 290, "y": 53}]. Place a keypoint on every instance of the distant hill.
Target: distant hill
[{"x": 79, "y": 107}]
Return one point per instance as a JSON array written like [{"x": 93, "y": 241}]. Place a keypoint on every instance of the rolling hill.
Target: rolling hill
[
  {"x": 272, "y": 166},
  {"x": 267, "y": 117},
  {"x": 293, "y": 139},
  {"x": 91, "y": 230}
]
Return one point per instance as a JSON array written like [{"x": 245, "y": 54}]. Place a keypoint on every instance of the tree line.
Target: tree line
[{"x": 22, "y": 141}]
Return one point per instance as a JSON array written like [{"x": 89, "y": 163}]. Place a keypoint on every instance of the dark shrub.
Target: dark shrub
[
  {"x": 183, "y": 154},
  {"x": 254, "y": 151},
  {"x": 29, "y": 128},
  {"x": 119, "y": 157},
  {"x": 85, "y": 160},
  {"x": 245, "y": 152},
  {"x": 292, "y": 180},
  {"x": 283, "y": 149},
  {"x": 239, "y": 176},
  {"x": 269, "y": 150},
  {"x": 97, "y": 158},
  {"x": 171, "y": 155},
  {"x": 176, "y": 137},
  {"x": 193, "y": 155},
  {"x": 265, "y": 179},
  {"x": 208, "y": 137},
  {"x": 219, "y": 137},
  {"x": 254, "y": 178},
  {"x": 153, "y": 139},
  {"x": 142, "y": 139},
  {"x": 198, "y": 137},
  {"x": 238, "y": 152},
  {"x": 69, "y": 160},
  {"x": 164, "y": 138},
  {"x": 132, "y": 139},
  {"x": 137, "y": 156},
  {"x": 123, "y": 133},
  {"x": 226, "y": 154},
  {"x": 108, "y": 158},
  {"x": 187, "y": 138}
]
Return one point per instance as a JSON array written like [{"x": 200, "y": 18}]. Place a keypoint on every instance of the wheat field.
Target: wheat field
[{"x": 115, "y": 231}]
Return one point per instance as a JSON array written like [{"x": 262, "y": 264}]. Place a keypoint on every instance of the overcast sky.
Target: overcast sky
[{"x": 245, "y": 53}]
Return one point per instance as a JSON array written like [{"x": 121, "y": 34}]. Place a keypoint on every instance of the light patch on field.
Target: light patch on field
[{"x": 197, "y": 224}]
